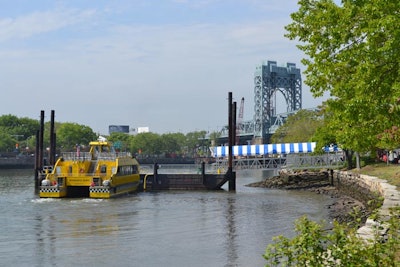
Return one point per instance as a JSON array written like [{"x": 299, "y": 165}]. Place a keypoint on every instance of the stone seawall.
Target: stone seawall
[
  {"x": 365, "y": 186},
  {"x": 349, "y": 189}
]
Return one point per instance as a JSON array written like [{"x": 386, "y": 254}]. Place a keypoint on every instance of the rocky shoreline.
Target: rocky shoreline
[{"x": 343, "y": 206}]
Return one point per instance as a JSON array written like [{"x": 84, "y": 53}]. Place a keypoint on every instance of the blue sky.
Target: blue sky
[{"x": 167, "y": 65}]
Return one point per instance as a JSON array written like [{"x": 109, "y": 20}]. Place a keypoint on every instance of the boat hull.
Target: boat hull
[
  {"x": 110, "y": 192},
  {"x": 52, "y": 192}
]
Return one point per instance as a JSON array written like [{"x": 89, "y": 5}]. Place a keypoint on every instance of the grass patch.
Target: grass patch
[{"x": 390, "y": 172}]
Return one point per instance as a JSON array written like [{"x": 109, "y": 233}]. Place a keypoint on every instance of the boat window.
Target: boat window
[
  {"x": 135, "y": 169},
  {"x": 96, "y": 153},
  {"x": 103, "y": 168},
  {"x": 69, "y": 169},
  {"x": 96, "y": 181},
  {"x": 60, "y": 181},
  {"x": 127, "y": 170}
]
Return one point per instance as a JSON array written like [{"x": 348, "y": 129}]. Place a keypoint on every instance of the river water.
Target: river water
[{"x": 168, "y": 228}]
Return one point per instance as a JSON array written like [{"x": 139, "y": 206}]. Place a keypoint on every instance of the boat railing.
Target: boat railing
[
  {"x": 68, "y": 174},
  {"x": 84, "y": 156},
  {"x": 112, "y": 155},
  {"x": 76, "y": 156}
]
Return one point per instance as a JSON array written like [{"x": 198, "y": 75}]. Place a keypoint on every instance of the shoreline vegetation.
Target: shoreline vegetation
[
  {"x": 359, "y": 235},
  {"x": 344, "y": 206}
]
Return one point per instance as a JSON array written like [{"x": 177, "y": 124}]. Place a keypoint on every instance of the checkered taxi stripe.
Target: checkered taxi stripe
[
  {"x": 49, "y": 189},
  {"x": 99, "y": 190}
]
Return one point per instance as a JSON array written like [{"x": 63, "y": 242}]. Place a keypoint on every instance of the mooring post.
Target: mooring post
[
  {"x": 155, "y": 173},
  {"x": 39, "y": 150},
  {"x": 41, "y": 137},
  {"x": 37, "y": 160},
  {"x": 231, "y": 138},
  {"x": 52, "y": 152}
]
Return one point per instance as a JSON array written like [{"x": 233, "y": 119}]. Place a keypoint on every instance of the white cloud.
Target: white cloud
[{"x": 41, "y": 22}]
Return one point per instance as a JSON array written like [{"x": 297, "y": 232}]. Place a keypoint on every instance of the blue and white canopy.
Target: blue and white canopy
[{"x": 265, "y": 149}]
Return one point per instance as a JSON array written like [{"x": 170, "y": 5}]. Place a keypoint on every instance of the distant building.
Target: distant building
[
  {"x": 143, "y": 129},
  {"x": 118, "y": 129}
]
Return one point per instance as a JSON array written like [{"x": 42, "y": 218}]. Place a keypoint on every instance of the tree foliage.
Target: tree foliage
[
  {"x": 121, "y": 141},
  {"x": 169, "y": 143},
  {"x": 15, "y": 130},
  {"x": 299, "y": 127},
  {"x": 146, "y": 143},
  {"x": 314, "y": 246},
  {"x": 23, "y": 130},
  {"x": 71, "y": 134},
  {"x": 352, "y": 53}
]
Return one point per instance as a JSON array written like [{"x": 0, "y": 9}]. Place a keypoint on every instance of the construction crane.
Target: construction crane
[{"x": 239, "y": 121}]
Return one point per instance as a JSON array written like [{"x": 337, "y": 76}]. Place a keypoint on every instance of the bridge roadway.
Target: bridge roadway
[{"x": 332, "y": 160}]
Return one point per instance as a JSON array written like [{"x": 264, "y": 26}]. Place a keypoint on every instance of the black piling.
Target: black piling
[
  {"x": 52, "y": 152},
  {"x": 155, "y": 172},
  {"x": 203, "y": 172},
  {"x": 39, "y": 150},
  {"x": 41, "y": 140},
  {"x": 36, "y": 169},
  {"x": 231, "y": 140}
]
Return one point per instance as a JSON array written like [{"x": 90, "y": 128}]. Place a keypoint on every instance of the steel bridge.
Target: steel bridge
[
  {"x": 247, "y": 128},
  {"x": 268, "y": 80}
]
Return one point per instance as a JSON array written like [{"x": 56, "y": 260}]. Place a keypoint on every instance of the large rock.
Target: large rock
[{"x": 288, "y": 179}]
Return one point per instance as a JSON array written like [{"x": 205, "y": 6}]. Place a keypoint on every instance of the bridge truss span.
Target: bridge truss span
[{"x": 268, "y": 80}]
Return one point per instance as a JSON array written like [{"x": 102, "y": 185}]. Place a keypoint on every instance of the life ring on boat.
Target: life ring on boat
[{"x": 81, "y": 170}]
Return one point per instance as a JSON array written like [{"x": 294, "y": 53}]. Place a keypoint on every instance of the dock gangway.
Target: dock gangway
[
  {"x": 332, "y": 160},
  {"x": 278, "y": 156}
]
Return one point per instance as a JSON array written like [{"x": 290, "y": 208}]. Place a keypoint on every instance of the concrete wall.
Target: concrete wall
[{"x": 367, "y": 186}]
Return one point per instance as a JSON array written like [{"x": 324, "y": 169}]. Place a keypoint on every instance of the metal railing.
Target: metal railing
[
  {"x": 177, "y": 168},
  {"x": 84, "y": 156},
  {"x": 290, "y": 161}
]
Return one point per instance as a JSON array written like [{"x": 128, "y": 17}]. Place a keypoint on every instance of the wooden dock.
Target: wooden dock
[{"x": 203, "y": 181}]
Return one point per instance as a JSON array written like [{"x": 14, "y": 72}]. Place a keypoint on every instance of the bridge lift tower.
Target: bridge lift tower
[{"x": 268, "y": 80}]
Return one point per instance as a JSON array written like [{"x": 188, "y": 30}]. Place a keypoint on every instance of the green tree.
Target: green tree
[
  {"x": 16, "y": 130},
  {"x": 172, "y": 142},
  {"x": 299, "y": 127},
  {"x": 352, "y": 52},
  {"x": 313, "y": 245},
  {"x": 71, "y": 134},
  {"x": 146, "y": 143},
  {"x": 195, "y": 143},
  {"x": 7, "y": 143},
  {"x": 214, "y": 137},
  {"x": 120, "y": 141}
]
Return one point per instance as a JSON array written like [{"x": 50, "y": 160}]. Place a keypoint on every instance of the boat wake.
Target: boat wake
[
  {"x": 44, "y": 200},
  {"x": 87, "y": 200}
]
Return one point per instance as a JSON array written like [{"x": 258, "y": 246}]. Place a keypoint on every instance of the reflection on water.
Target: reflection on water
[
  {"x": 231, "y": 247},
  {"x": 170, "y": 228}
]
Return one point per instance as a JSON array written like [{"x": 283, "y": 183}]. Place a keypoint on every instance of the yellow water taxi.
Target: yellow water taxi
[{"x": 100, "y": 173}]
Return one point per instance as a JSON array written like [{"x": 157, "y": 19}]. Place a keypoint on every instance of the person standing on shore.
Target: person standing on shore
[
  {"x": 391, "y": 156},
  {"x": 384, "y": 157}
]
